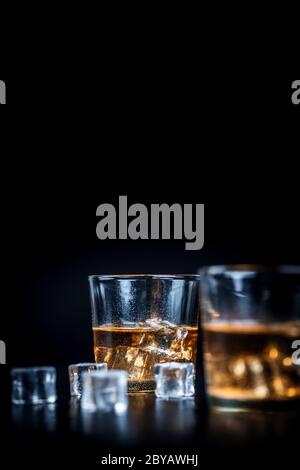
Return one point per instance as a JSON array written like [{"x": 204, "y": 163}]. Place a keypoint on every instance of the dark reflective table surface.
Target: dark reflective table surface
[{"x": 64, "y": 432}]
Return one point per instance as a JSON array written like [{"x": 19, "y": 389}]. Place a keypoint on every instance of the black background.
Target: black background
[
  {"x": 71, "y": 141},
  {"x": 230, "y": 144}
]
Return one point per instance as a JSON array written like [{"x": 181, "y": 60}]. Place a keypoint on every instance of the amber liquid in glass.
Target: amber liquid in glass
[
  {"x": 138, "y": 348},
  {"x": 251, "y": 362}
]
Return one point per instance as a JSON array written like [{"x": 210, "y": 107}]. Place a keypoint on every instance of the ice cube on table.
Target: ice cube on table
[
  {"x": 75, "y": 375},
  {"x": 174, "y": 379},
  {"x": 33, "y": 385},
  {"x": 105, "y": 390}
]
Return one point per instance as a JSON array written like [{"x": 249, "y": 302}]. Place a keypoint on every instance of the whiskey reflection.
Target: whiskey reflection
[{"x": 240, "y": 427}]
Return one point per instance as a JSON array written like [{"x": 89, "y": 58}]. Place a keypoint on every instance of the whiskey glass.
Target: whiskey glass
[
  {"x": 142, "y": 320},
  {"x": 251, "y": 325}
]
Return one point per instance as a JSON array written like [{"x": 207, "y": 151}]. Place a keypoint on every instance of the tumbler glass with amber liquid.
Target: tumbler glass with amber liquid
[
  {"x": 143, "y": 320},
  {"x": 251, "y": 327}
]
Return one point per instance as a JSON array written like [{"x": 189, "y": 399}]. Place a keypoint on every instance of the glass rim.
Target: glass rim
[
  {"x": 267, "y": 268},
  {"x": 120, "y": 277}
]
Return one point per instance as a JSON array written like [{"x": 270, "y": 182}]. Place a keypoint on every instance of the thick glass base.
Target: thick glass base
[{"x": 144, "y": 386}]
